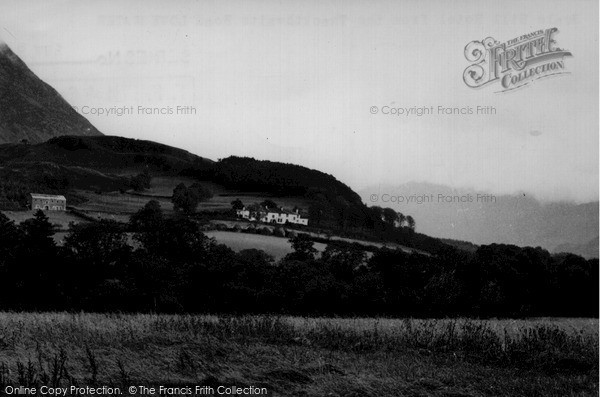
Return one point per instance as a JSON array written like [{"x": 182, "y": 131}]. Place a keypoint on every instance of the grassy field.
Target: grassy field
[
  {"x": 107, "y": 204},
  {"x": 278, "y": 247},
  {"x": 303, "y": 357},
  {"x": 243, "y": 224}
]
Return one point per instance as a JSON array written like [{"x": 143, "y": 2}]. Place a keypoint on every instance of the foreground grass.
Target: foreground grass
[{"x": 303, "y": 357}]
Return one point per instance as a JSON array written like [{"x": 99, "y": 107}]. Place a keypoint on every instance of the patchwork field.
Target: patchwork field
[
  {"x": 116, "y": 203},
  {"x": 291, "y": 356}
]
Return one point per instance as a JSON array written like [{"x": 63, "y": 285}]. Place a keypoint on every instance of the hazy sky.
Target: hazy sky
[{"x": 295, "y": 82}]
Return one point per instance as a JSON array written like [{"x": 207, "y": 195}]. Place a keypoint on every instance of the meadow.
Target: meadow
[
  {"x": 293, "y": 356},
  {"x": 278, "y": 247},
  {"x": 161, "y": 190},
  {"x": 228, "y": 233}
]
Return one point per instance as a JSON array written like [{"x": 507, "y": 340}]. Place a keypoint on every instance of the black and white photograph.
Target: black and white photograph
[{"x": 299, "y": 198}]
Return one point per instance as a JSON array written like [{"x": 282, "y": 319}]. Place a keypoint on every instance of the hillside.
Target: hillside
[
  {"x": 46, "y": 146},
  {"x": 65, "y": 158},
  {"x": 98, "y": 171},
  {"x": 32, "y": 110}
]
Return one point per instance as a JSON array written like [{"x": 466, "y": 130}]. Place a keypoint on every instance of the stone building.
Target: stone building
[{"x": 48, "y": 202}]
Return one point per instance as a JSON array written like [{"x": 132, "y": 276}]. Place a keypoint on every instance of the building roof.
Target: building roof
[
  {"x": 276, "y": 211},
  {"x": 47, "y": 196},
  {"x": 286, "y": 212}
]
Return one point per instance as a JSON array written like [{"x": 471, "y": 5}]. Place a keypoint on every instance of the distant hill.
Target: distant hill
[
  {"x": 512, "y": 219},
  {"x": 32, "y": 110}
]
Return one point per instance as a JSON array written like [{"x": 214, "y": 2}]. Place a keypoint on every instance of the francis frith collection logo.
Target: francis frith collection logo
[{"x": 516, "y": 62}]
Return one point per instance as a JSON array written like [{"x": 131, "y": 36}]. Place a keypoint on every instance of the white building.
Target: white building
[
  {"x": 243, "y": 213},
  {"x": 280, "y": 216}
]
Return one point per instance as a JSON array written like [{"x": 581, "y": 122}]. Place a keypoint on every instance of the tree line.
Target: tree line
[{"x": 156, "y": 263}]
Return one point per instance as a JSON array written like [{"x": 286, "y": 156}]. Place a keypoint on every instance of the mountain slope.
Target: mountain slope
[{"x": 32, "y": 110}]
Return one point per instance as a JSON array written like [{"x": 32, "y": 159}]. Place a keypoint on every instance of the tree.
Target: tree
[
  {"x": 201, "y": 192},
  {"x": 149, "y": 217},
  {"x": 10, "y": 239},
  {"x": 269, "y": 204},
  {"x": 141, "y": 181},
  {"x": 303, "y": 248},
  {"x": 98, "y": 244},
  {"x": 237, "y": 204},
  {"x": 401, "y": 219},
  {"x": 342, "y": 260},
  {"x": 377, "y": 212},
  {"x": 9, "y": 236},
  {"x": 38, "y": 233},
  {"x": 255, "y": 207},
  {"x": 181, "y": 240},
  {"x": 184, "y": 199},
  {"x": 147, "y": 223},
  {"x": 342, "y": 212},
  {"x": 390, "y": 216},
  {"x": 316, "y": 213},
  {"x": 411, "y": 222},
  {"x": 374, "y": 218},
  {"x": 35, "y": 277}
]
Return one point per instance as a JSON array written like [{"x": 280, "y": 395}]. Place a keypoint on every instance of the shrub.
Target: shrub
[{"x": 265, "y": 231}]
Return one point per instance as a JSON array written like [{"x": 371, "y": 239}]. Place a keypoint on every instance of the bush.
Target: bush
[
  {"x": 221, "y": 227},
  {"x": 264, "y": 231}
]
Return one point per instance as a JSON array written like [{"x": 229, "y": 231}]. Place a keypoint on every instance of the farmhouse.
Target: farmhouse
[
  {"x": 279, "y": 216},
  {"x": 48, "y": 202},
  {"x": 282, "y": 216}
]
